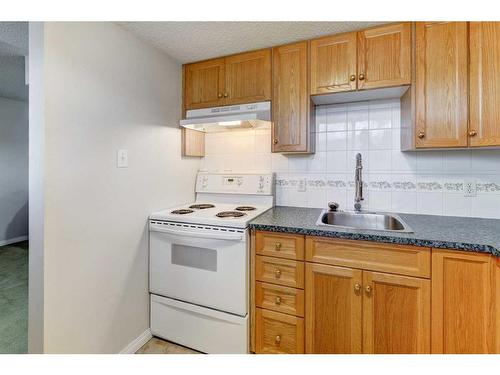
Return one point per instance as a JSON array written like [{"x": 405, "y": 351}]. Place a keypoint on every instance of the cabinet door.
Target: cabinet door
[
  {"x": 396, "y": 314},
  {"x": 441, "y": 84},
  {"x": 290, "y": 98},
  {"x": 333, "y": 64},
  {"x": 484, "y": 127},
  {"x": 463, "y": 303},
  {"x": 204, "y": 84},
  {"x": 248, "y": 77},
  {"x": 384, "y": 56},
  {"x": 333, "y": 309}
]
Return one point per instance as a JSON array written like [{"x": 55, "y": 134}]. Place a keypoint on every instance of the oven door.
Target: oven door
[{"x": 203, "y": 265}]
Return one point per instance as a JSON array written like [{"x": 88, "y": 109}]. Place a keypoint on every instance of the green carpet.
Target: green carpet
[{"x": 14, "y": 298}]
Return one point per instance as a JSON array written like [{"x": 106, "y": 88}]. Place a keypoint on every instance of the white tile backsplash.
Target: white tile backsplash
[{"x": 426, "y": 182}]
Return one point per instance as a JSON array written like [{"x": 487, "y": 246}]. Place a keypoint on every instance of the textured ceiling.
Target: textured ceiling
[
  {"x": 13, "y": 48},
  {"x": 193, "y": 41}
]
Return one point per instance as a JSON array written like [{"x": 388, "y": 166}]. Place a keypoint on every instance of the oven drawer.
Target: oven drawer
[
  {"x": 199, "y": 328},
  {"x": 279, "y": 271},
  {"x": 290, "y": 246},
  {"x": 279, "y": 298},
  {"x": 278, "y": 333}
]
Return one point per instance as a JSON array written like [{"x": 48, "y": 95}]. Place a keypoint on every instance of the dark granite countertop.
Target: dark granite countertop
[{"x": 444, "y": 232}]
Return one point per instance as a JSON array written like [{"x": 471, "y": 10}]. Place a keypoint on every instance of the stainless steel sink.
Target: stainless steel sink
[{"x": 363, "y": 220}]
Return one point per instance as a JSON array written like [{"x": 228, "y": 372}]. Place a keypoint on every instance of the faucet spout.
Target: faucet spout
[{"x": 358, "y": 181}]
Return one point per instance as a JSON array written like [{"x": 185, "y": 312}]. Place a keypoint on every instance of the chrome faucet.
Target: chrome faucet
[{"x": 358, "y": 181}]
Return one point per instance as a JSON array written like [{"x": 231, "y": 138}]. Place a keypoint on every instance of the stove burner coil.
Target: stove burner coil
[
  {"x": 245, "y": 208},
  {"x": 230, "y": 214},
  {"x": 182, "y": 211},
  {"x": 202, "y": 206}
]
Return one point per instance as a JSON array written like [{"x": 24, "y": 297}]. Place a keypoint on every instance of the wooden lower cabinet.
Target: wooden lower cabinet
[
  {"x": 353, "y": 296},
  {"x": 465, "y": 315},
  {"x": 396, "y": 314},
  {"x": 333, "y": 309},
  {"x": 278, "y": 333},
  {"x": 354, "y": 311}
]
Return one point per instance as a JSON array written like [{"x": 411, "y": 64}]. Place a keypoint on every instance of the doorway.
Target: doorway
[{"x": 14, "y": 128}]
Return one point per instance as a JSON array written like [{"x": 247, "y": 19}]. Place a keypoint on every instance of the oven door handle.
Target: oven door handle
[{"x": 212, "y": 236}]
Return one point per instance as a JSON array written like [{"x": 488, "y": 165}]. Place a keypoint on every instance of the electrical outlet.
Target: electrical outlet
[
  {"x": 469, "y": 187},
  {"x": 122, "y": 159},
  {"x": 302, "y": 185}
]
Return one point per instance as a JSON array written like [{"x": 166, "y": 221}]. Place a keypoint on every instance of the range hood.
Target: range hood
[{"x": 229, "y": 117}]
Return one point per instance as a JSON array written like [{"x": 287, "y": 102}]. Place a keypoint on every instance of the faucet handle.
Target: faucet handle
[{"x": 334, "y": 206}]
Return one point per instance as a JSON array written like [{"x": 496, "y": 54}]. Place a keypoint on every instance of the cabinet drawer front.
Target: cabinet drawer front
[
  {"x": 278, "y": 333},
  {"x": 371, "y": 256},
  {"x": 279, "y": 271},
  {"x": 289, "y": 246},
  {"x": 279, "y": 298}
]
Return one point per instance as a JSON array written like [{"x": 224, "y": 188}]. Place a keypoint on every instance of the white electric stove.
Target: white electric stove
[{"x": 199, "y": 261}]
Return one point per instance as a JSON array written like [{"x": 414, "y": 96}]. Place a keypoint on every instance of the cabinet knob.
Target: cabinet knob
[
  {"x": 472, "y": 133},
  {"x": 352, "y": 77},
  {"x": 277, "y": 246},
  {"x": 277, "y": 301},
  {"x": 361, "y": 77},
  {"x": 275, "y": 141},
  {"x": 368, "y": 289},
  {"x": 219, "y": 96},
  {"x": 357, "y": 287},
  {"x": 226, "y": 95},
  {"x": 277, "y": 273},
  {"x": 277, "y": 339},
  {"x": 421, "y": 135}
]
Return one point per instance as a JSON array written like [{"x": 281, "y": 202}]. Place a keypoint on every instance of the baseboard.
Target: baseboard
[
  {"x": 13, "y": 240},
  {"x": 138, "y": 342}
]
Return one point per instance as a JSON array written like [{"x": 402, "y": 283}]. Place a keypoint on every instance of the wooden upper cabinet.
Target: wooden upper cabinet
[
  {"x": 204, "y": 84},
  {"x": 236, "y": 79},
  {"x": 484, "y": 127},
  {"x": 333, "y": 309},
  {"x": 248, "y": 77},
  {"x": 464, "y": 316},
  {"x": 384, "y": 56},
  {"x": 333, "y": 64},
  {"x": 441, "y": 85},
  {"x": 396, "y": 314},
  {"x": 291, "y": 126}
]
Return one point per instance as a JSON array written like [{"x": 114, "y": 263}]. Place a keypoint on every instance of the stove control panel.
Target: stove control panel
[
  {"x": 245, "y": 183},
  {"x": 232, "y": 180}
]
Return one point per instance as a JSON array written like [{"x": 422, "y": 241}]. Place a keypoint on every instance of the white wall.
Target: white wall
[
  {"x": 105, "y": 90},
  {"x": 13, "y": 170},
  {"x": 36, "y": 188},
  {"x": 429, "y": 182}
]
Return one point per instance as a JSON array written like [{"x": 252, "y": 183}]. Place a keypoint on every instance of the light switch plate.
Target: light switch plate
[{"x": 122, "y": 159}]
